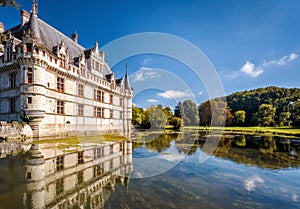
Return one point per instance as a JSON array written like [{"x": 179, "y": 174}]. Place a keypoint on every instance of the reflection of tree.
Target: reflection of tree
[
  {"x": 262, "y": 151},
  {"x": 187, "y": 142},
  {"x": 159, "y": 143},
  {"x": 240, "y": 140}
]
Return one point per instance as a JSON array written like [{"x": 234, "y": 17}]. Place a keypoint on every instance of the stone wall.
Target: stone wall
[{"x": 14, "y": 131}]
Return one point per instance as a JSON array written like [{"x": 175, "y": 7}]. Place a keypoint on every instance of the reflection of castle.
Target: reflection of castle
[{"x": 84, "y": 178}]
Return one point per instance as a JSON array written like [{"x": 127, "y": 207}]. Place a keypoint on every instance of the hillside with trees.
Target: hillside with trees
[{"x": 270, "y": 106}]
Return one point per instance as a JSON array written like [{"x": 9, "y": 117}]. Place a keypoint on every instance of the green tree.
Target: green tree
[
  {"x": 284, "y": 119},
  {"x": 266, "y": 114},
  {"x": 191, "y": 115},
  {"x": 214, "y": 109},
  {"x": 239, "y": 117},
  {"x": 138, "y": 116},
  {"x": 176, "y": 122},
  {"x": 295, "y": 113}
]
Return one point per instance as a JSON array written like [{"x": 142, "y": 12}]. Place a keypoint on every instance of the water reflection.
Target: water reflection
[
  {"x": 264, "y": 151},
  {"x": 48, "y": 177}
]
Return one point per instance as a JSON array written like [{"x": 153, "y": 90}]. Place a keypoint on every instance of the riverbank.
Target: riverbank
[{"x": 280, "y": 131}]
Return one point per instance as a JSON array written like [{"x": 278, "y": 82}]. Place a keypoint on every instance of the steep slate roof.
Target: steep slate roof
[{"x": 47, "y": 36}]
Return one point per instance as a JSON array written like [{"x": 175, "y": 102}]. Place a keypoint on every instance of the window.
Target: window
[
  {"x": 111, "y": 114},
  {"x": 97, "y": 153},
  {"x": 59, "y": 186},
  {"x": 80, "y": 90},
  {"x": 80, "y": 177},
  {"x": 50, "y": 59},
  {"x": 97, "y": 66},
  {"x": 111, "y": 97},
  {"x": 80, "y": 157},
  {"x": 29, "y": 100},
  {"x": 62, "y": 61},
  {"x": 80, "y": 110},
  {"x": 12, "y": 105},
  {"x": 82, "y": 70},
  {"x": 60, "y": 107},
  {"x": 12, "y": 77},
  {"x": 99, "y": 95},
  {"x": 29, "y": 75},
  {"x": 97, "y": 170},
  {"x": 60, "y": 163},
  {"x": 121, "y": 102},
  {"x": 28, "y": 47},
  {"x": 28, "y": 176},
  {"x": 9, "y": 53},
  {"x": 98, "y": 112},
  {"x": 60, "y": 84},
  {"x": 44, "y": 53},
  {"x": 121, "y": 115},
  {"x": 37, "y": 50}
]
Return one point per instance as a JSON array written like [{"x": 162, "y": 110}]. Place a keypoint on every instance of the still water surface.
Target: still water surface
[{"x": 155, "y": 170}]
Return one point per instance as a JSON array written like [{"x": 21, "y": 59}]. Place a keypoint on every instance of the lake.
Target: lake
[{"x": 155, "y": 170}]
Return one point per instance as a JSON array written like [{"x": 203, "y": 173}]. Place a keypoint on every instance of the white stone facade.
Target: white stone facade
[{"x": 58, "y": 86}]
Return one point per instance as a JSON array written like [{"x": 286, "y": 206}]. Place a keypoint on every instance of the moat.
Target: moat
[{"x": 155, "y": 170}]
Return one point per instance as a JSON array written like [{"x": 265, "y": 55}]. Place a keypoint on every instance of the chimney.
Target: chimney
[
  {"x": 1, "y": 27},
  {"x": 75, "y": 37},
  {"x": 24, "y": 17}
]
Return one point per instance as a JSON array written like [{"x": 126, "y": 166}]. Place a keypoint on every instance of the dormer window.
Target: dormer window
[
  {"x": 82, "y": 70},
  {"x": 28, "y": 48},
  {"x": 9, "y": 53},
  {"x": 62, "y": 59}
]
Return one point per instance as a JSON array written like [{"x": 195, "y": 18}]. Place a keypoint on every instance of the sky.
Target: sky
[{"x": 250, "y": 44}]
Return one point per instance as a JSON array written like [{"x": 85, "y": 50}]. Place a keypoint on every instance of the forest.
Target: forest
[{"x": 270, "y": 106}]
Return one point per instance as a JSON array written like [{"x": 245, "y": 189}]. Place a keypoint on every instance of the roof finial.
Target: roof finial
[{"x": 35, "y": 7}]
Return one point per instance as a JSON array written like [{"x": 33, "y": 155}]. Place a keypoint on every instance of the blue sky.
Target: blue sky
[{"x": 250, "y": 43}]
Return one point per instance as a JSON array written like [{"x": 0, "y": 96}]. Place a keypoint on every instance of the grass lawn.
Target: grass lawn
[{"x": 289, "y": 131}]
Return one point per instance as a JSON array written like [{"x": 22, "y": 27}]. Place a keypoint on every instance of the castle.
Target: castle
[{"x": 60, "y": 88}]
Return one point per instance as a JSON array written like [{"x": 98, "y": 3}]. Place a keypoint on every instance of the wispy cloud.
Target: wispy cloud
[
  {"x": 145, "y": 73},
  {"x": 200, "y": 93},
  {"x": 253, "y": 71},
  {"x": 152, "y": 100},
  {"x": 174, "y": 94}
]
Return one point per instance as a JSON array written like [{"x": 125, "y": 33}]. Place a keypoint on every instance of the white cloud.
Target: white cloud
[
  {"x": 200, "y": 93},
  {"x": 152, "y": 100},
  {"x": 174, "y": 94},
  {"x": 254, "y": 71},
  {"x": 251, "y": 183},
  {"x": 145, "y": 73},
  {"x": 250, "y": 69},
  {"x": 172, "y": 157}
]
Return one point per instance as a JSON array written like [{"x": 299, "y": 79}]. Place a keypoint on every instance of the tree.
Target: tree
[
  {"x": 8, "y": 3},
  {"x": 284, "y": 119},
  {"x": 178, "y": 110},
  {"x": 176, "y": 122},
  {"x": 215, "y": 109},
  {"x": 190, "y": 116},
  {"x": 239, "y": 117},
  {"x": 295, "y": 113},
  {"x": 266, "y": 114},
  {"x": 138, "y": 116}
]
